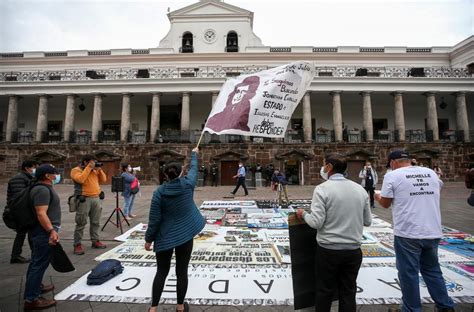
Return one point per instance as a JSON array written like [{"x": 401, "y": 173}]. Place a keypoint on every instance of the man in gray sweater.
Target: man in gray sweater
[{"x": 340, "y": 209}]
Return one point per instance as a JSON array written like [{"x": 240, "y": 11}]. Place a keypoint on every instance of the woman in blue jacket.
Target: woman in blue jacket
[
  {"x": 173, "y": 222},
  {"x": 128, "y": 197}
]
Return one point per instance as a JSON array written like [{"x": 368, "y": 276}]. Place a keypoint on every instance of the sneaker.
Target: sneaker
[
  {"x": 19, "y": 259},
  {"x": 128, "y": 218},
  {"x": 78, "y": 250},
  {"x": 46, "y": 288},
  {"x": 132, "y": 216},
  {"x": 99, "y": 245},
  {"x": 232, "y": 194},
  {"x": 39, "y": 304}
]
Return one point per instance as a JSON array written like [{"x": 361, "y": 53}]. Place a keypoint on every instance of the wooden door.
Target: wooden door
[
  {"x": 353, "y": 169},
  {"x": 111, "y": 168},
  {"x": 228, "y": 170}
]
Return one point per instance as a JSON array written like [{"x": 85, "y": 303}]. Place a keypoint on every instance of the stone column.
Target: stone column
[
  {"x": 399, "y": 115},
  {"x": 12, "y": 118},
  {"x": 97, "y": 117},
  {"x": 185, "y": 111},
  {"x": 42, "y": 123},
  {"x": 215, "y": 94},
  {"x": 307, "y": 127},
  {"x": 432, "y": 120},
  {"x": 69, "y": 117},
  {"x": 155, "y": 116},
  {"x": 461, "y": 115},
  {"x": 367, "y": 116},
  {"x": 337, "y": 115},
  {"x": 125, "y": 122}
]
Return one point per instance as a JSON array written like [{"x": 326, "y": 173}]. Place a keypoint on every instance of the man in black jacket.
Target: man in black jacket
[{"x": 17, "y": 184}]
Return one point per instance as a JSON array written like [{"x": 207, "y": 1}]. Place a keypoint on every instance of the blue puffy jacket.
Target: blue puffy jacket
[{"x": 174, "y": 218}]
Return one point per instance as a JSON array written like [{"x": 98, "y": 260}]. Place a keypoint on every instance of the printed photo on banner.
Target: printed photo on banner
[{"x": 260, "y": 104}]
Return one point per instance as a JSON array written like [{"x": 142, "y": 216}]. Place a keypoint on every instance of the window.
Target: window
[
  {"x": 417, "y": 72},
  {"x": 232, "y": 42},
  {"x": 187, "y": 43},
  {"x": 92, "y": 74},
  {"x": 143, "y": 73}
]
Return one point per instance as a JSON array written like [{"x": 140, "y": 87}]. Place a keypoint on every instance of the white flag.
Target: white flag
[{"x": 260, "y": 104}]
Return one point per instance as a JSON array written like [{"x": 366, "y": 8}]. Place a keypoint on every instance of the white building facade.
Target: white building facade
[{"x": 150, "y": 104}]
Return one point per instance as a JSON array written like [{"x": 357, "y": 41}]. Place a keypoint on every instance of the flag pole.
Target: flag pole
[{"x": 200, "y": 138}]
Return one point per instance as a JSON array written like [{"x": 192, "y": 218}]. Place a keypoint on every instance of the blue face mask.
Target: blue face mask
[{"x": 57, "y": 179}]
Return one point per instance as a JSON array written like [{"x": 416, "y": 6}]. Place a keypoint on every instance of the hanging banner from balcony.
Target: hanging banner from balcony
[{"x": 260, "y": 104}]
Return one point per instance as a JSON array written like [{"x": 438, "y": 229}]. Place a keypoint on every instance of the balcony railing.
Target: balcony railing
[
  {"x": 294, "y": 136},
  {"x": 384, "y": 136},
  {"x": 109, "y": 136},
  {"x": 26, "y": 136},
  {"x": 324, "y": 136}
]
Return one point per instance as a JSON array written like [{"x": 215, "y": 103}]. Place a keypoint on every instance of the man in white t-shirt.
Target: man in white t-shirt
[{"x": 414, "y": 193}]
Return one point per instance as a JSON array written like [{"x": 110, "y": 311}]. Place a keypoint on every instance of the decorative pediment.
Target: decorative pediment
[
  {"x": 230, "y": 155},
  {"x": 107, "y": 156},
  {"x": 360, "y": 154},
  {"x": 48, "y": 156},
  {"x": 293, "y": 154},
  {"x": 423, "y": 153},
  {"x": 167, "y": 155},
  {"x": 208, "y": 7}
]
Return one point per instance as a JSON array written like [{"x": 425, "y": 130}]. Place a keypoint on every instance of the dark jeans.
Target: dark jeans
[
  {"x": 40, "y": 258},
  {"x": 240, "y": 181},
  {"x": 163, "y": 261},
  {"x": 214, "y": 180},
  {"x": 420, "y": 255},
  {"x": 336, "y": 271},
  {"x": 371, "y": 191},
  {"x": 18, "y": 243}
]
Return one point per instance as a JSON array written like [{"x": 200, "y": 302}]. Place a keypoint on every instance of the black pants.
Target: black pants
[
  {"x": 18, "y": 243},
  {"x": 371, "y": 191},
  {"x": 240, "y": 181},
  {"x": 214, "y": 180},
  {"x": 163, "y": 261},
  {"x": 337, "y": 270}
]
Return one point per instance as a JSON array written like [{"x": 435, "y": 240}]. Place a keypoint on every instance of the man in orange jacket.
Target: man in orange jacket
[{"x": 87, "y": 178}]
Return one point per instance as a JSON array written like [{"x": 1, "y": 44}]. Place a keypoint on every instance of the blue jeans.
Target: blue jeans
[
  {"x": 40, "y": 258},
  {"x": 128, "y": 204},
  {"x": 420, "y": 255}
]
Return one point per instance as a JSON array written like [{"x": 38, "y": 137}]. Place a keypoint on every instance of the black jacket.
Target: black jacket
[{"x": 18, "y": 183}]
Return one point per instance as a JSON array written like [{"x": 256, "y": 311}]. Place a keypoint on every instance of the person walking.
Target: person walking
[
  {"x": 15, "y": 186},
  {"x": 369, "y": 180},
  {"x": 44, "y": 235},
  {"x": 339, "y": 211},
  {"x": 240, "y": 176},
  {"x": 87, "y": 178},
  {"x": 413, "y": 192},
  {"x": 173, "y": 222},
  {"x": 128, "y": 197},
  {"x": 469, "y": 182}
]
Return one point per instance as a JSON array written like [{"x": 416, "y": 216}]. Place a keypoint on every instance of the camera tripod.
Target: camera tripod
[
  {"x": 118, "y": 214},
  {"x": 280, "y": 192}
]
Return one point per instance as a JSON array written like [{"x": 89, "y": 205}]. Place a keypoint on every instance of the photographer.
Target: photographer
[
  {"x": 280, "y": 182},
  {"x": 87, "y": 177},
  {"x": 369, "y": 180}
]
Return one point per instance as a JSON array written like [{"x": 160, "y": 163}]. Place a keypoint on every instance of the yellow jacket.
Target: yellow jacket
[{"x": 87, "y": 180}]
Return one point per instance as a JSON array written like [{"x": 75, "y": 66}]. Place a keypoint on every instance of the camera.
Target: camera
[{"x": 98, "y": 164}]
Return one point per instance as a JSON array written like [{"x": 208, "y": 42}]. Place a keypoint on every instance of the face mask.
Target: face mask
[
  {"x": 129, "y": 169},
  {"x": 240, "y": 166},
  {"x": 57, "y": 179},
  {"x": 369, "y": 166},
  {"x": 33, "y": 171},
  {"x": 323, "y": 174}
]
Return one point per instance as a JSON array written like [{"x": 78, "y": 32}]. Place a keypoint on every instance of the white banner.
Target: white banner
[
  {"x": 251, "y": 285},
  {"x": 260, "y": 104}
]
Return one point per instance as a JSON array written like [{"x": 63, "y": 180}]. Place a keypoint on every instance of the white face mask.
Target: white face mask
[
  {"x": 323, "y": 174},
  {"x": 240, "y": 166},
  {"x": 129, "y": 169}
]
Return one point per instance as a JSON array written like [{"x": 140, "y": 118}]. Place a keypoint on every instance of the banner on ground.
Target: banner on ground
[
  {"x": 260, "y": 104},
  {"x": 251, "y": 285}
]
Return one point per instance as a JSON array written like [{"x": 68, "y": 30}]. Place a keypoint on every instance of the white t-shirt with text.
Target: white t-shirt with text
[{"x": 415, "y": 206}]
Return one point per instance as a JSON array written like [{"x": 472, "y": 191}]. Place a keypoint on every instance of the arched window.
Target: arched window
[
  {"x": 187, "y": 43},
  {"x": 232, "y": 42}
]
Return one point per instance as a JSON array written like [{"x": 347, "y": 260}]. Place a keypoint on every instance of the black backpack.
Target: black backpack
[{"x": 19, "y": 213}]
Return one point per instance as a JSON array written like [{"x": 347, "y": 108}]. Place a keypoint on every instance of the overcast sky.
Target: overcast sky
[{"x": 59, "y": 25}]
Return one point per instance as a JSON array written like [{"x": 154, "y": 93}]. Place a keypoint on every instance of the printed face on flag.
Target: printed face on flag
[{"x": 260, "y": 104}]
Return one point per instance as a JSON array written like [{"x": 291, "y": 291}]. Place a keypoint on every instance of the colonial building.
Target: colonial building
[{"x": 148, "y": 106}]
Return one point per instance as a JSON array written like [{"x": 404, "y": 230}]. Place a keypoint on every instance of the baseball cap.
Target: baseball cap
[
  {"x": 45, "y": 169},
  {"x": 395, "y": 155}
]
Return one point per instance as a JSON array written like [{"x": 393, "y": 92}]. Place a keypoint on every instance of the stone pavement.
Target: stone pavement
[{"x": 455, "y": 213}]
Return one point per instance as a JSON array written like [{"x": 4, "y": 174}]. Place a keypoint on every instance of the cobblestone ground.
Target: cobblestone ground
[{"x": 455, "y": 211}]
